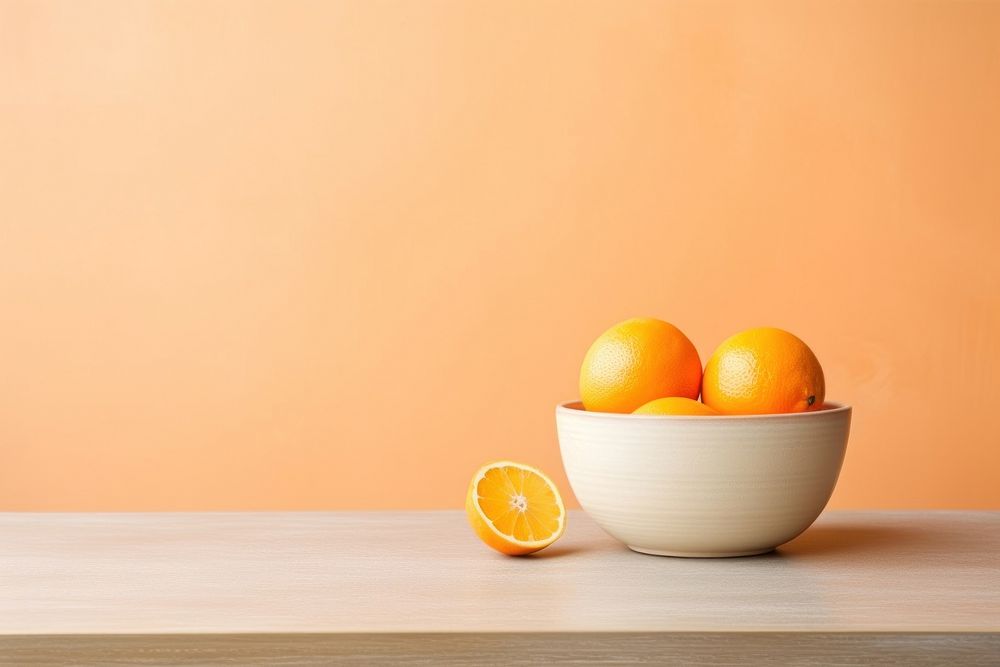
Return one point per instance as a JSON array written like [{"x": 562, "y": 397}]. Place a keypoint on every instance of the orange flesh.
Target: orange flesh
[{"x": 518, "y": 503}]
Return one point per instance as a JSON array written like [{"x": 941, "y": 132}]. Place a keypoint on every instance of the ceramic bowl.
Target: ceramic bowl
[{"x": 703, "y": 486}]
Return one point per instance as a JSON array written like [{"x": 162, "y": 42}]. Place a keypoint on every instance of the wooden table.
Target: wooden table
[{"x": 314, "y": 588}]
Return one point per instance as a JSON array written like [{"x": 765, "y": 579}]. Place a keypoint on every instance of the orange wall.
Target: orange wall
[{"x": 338, "y": 254}]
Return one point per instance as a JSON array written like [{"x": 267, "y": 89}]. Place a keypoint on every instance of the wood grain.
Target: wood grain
[
  {"x": 321, "y": 584},
  {"x": 695, "y": 649}
]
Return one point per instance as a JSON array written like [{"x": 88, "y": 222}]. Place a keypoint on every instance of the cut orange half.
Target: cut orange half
[{"x": 515, "y": 508}]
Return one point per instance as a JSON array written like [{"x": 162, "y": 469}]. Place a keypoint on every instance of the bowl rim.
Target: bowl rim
[{"x": 833, "y": 407}]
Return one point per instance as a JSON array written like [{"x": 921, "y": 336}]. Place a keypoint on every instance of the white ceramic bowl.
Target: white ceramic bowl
[{"x": 703, "y": 486}]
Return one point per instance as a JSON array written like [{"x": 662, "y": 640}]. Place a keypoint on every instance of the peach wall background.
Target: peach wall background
[{"x": 337, "y": 254}]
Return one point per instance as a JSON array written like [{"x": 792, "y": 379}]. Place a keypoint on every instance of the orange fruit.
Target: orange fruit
[
  {"x": 763, "y": 371},
  {"x": 515, "y": 508},
  {"x": 675, "y": 405},
  {"x": 636, "y": 361}
]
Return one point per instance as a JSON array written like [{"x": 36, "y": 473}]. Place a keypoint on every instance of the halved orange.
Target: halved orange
[{"x": 515, "y": 508}]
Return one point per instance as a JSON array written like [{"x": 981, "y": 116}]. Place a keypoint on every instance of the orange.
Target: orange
[
  {"x": 636, "y": 361},
  {"x": 763, "y": 371},
  {"x": 675, "y": 405},
  {"x": 515, "y": 508}
]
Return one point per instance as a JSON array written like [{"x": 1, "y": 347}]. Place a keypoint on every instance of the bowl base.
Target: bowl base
[{"x": 700, "y": 554}]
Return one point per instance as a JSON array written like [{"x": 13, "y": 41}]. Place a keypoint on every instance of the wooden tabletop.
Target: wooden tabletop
[{"x": 317, "y": 584}]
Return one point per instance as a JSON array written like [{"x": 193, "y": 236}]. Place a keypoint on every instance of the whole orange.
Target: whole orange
[
  {"x": 763, "y": 371},
  {"x": 675, "y": 405},
  {"x": 636, "y": 361}
]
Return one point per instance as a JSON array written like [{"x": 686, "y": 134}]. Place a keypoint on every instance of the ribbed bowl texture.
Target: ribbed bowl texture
[{"x": 703, "y": 486}]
